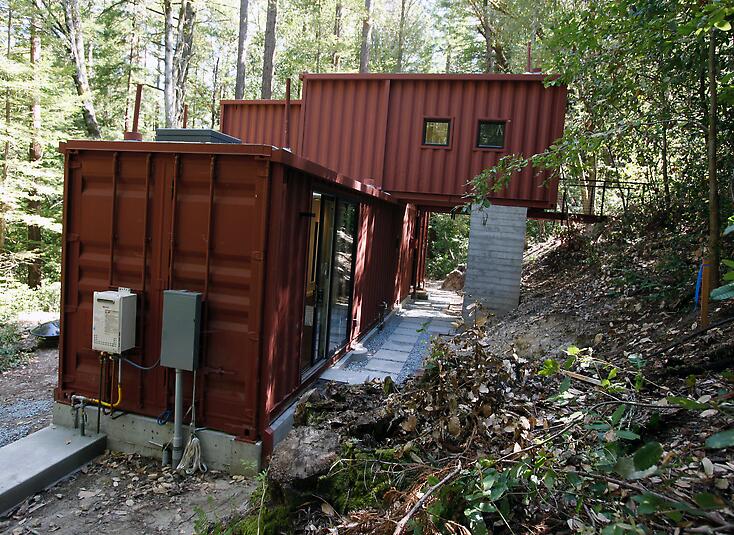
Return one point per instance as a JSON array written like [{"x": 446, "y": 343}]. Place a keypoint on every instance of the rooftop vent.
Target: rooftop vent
[{"x": 193, "y": 135}]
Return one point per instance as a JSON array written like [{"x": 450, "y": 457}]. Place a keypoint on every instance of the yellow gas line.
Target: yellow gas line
[{"x": 119, "y": 390}]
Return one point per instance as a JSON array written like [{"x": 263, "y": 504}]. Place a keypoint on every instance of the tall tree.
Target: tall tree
[
  {"x": 714, "y": 223},
  {"x": 401, "y": 35},
  {"x": 169, "y": 99},
  {"x": 239, "y": 88},
  {"x": 364, "y": 52},
  {"x": 132, "y": 61},
  {"x": 266, "y": 91},
  {"x": 179, "y": 49},
  {"x": 6, "y": 152},
  {"x": 35, "y": 153},
  {"x": 338, "y": 14},
  {"x": 71, "y": 34},
  {"x": 494, "y": 55}
]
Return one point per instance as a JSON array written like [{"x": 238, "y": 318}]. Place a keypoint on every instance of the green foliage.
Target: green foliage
[
  {"x": 448, "y": 244},
  {"x": 11, "y": 352},
  {"x": 724, "y": 439}
]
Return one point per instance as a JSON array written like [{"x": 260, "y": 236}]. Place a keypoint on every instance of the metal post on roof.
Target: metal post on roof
[
  {"x": 286, "y": 119},
  {"x": 135, "y": 135}
]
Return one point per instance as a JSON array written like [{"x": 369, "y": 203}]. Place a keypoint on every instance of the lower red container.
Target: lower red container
[{"x": 234, "y": 222}]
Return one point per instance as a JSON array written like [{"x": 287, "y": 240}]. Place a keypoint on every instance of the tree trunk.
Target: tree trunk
[
  {"x": 714, "y": 230},
  {"x": 666, "y": 179},
  {"x": 401, "y": 37},
  {"x": 131, "y": 62},
  {"x": 364, "y": 53},
  {"x": 318, "y": 36},
  {"x": 500, "y": 59},
  {"x": 269, "y": 50},
  {"x": 35, "y": 153},
  {"x": 169, "y": 104},
  {"x": 213, "y": 108},
  {"x": 182, "y": 55},
  {"x": 73, "y": 30},
  {"x": 6, "y": 152},
  {"x": 336, "y": 57},
  {"x": 239, "y": 87},
  {"x": 448, "y": 58}
]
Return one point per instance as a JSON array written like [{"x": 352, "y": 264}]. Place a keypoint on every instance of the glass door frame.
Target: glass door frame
[{"x": 316, "y": 359}]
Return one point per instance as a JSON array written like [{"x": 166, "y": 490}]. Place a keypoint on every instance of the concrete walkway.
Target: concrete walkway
[{"x": 398, "y": 350}]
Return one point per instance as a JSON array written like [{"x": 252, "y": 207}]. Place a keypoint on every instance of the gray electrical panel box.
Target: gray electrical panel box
[{"x": 181, "y": 328}]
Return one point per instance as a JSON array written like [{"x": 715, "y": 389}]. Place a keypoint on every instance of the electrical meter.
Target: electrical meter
[{"x": 113, "y": 321}]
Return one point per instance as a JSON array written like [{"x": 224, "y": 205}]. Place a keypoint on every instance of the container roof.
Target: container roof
[
  {"x": 527, "y": 77},
  {"x": 270, "y": 152}
]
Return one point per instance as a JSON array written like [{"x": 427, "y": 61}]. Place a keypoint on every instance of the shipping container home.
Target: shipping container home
[
  {"x": 421, "y": 137},
  {"x": 293, "y": 262}
]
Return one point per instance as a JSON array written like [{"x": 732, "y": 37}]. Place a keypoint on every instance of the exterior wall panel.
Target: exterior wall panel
[
  {"x": 151, "y": 221},
  {"x": 287, "y": 250},
  {"x": 260, "y": 121},
  {"x": 371, "y": 126},
  {"x": 226, "y": 221},
  {"x": 344, "y": 126}
]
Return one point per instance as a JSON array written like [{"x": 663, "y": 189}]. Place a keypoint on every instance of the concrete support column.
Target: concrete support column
[{"x": 494, "y": 264}]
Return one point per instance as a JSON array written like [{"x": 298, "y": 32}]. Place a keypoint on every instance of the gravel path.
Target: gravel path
[
  {"x": 427, "y": 318},
  {"x": 26, "y": 396}
]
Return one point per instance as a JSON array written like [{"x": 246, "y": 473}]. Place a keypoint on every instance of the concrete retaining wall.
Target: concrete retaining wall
[{"x": 494, "y": 264}]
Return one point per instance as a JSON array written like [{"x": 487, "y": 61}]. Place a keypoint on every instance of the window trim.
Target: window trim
[
  {"x": 437, "y": 119},
  {"x": 479, "y": 122}
]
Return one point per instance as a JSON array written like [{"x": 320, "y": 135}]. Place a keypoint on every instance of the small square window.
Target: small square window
[
  {"x": 491, "y": 135},
  {"x": 436, "y": 132}
]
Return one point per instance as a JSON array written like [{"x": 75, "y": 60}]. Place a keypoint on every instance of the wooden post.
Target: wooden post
[{"x": 705, "y": 292}]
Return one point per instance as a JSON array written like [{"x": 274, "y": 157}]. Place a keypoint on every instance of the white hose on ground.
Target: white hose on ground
[{"x": 191, "y": 460}]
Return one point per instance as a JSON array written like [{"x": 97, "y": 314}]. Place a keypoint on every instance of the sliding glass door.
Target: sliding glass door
[{"x": 328, "y": 312}]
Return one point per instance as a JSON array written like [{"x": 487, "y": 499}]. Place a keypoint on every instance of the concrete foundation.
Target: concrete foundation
[
  {"x": 132, "y": 433},
  {"x": 494, "y": 264},
  {"x": 39, "y": 460}
]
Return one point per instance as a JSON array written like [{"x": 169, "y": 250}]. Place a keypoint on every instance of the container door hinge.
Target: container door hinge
[
  {"x": 254, "y": 336},
  {"x": 258, "y": 255}
]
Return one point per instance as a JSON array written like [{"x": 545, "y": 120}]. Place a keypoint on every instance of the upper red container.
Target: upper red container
[{"x": 370, "y": 126}]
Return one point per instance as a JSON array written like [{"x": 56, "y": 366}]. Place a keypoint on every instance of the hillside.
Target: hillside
[{"x": 597, "y": 405}]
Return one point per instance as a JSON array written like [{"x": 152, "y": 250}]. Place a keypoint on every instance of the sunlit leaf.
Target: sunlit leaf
[{"x": 724, "y": 439}]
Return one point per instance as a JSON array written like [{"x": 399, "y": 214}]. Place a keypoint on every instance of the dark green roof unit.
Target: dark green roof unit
[{"x": 193, "y": 135}]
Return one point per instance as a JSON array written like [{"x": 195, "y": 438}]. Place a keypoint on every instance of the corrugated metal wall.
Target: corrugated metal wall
[
  {"x": 344, "y": 125},
  {"x": 376, "y": 270},
  {"x": 534, "y": 116},
  {"x": 260, "y": 121},
  {"x": 154, "y": 216},
  {"x": 290, "y": 202},
  {"x": 371, "y": 127},
  {"x": 202, "y": 217}
]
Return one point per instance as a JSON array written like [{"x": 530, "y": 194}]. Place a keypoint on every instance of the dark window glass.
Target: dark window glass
[
  {"x": 436, "y": 132},
  {"x": 491, "y": 135}
]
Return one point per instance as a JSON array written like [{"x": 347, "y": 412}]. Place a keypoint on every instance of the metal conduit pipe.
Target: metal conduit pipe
[
  {"x": 178, "y": 420},
  {"x": 78, "y": 400}
]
